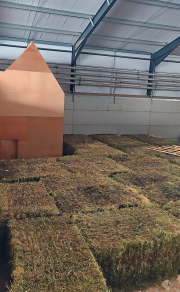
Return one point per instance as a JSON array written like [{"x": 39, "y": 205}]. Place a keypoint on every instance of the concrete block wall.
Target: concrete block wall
[{"x": 90, "y": 114}]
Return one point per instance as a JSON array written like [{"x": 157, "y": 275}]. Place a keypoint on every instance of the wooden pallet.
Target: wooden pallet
[{"x": 172, "y": 150}]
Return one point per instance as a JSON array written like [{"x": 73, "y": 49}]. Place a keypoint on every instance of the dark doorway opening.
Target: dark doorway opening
[
  {"x": 5, "y": 267},
  {"x": 68, "y": 149}
]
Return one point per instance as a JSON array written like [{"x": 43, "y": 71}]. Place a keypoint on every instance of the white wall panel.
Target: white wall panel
[
  {"x": 68, "y": 117},
  {"x": 99, "y": 115},
  {"x": 132, "y": 130},
  {"x": 165, "y": 106},
  {"x": 68, "y": 105},
  {"x": 85, "y": 102},
  {"x": 68, "y": 129},
  {"x": 132, "y": 64},
  {"x": 95, "y": 61},
  {"x": 167, "y": 132},
  {"x": 133, "y": 104},
  {"x": 165, "y": 119}
]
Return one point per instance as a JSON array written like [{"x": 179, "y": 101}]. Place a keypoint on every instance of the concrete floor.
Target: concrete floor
[{"x": 167, "y": 286}]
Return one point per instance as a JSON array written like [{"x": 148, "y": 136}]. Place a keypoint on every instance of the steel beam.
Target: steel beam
[
  {"x": 49, "y": 43},
  {"x": 43, "y": 9},
  {"x": 41, "y": 42},
  {"x": 127, "y": 40},
  {"x": 141, "y": 24},
  {"x": 86, "y": 16},
  {"x": 159, "y": 56},
  {"x": 94, "y": 22},
  {"x": 75, "y": 33},
  {"x": 39, "y": 29}
]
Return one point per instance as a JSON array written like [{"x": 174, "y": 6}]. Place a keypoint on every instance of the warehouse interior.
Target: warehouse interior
[
  {"x": 111, "y": 90},
  {"x": 104, "y": 216}
]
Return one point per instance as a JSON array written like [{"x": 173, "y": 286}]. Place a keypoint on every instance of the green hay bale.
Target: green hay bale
[
  {"x": 76, "y": 194},
  {"x": 122, "y": 143},
  {"x": 133, "y": 246},
  {"x": 24, "y": 170},
  {"x": 51, "y": 255},
  {"x": 141, "y": 178},
  {"x": 88, "y": 147},
  {"x": 159, "y": 187},
  {"x": 173, "y": 207},
  {"x": 90, "y": 166},
  {"x": 152, "y": 140},
  {"x": 143, "y": 158},
  {"x": 26, "y": 200}
]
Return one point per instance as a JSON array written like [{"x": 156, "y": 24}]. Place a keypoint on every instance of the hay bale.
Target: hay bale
[
  {"x": 26, "y": 200},
  {"x": 75, "y": 194},
  {"x": 152, "y": 140},
  {"x": 122, "y": 143},
  {"x": 24, "y": 170},
  {"x": 87, "y": 147},
  {"x": 94, "y": 166},
  {"x": 51, "y": 255},
  {"x": 133, "y": 246},
  {"x": 141, "y": 178},
  {"x": 173, "y": 207}
]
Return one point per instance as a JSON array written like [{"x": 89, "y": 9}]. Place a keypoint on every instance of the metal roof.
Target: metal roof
[{"x": 134, "y": 25}]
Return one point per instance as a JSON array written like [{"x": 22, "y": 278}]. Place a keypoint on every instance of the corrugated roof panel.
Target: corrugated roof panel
[
  {"x": 15, "y": 16},
  {"x": 81, "y": 6},
  {"x": 30, "y": 2},
  {"x": 176, "y": 51},
  {"x": 139, "y": 47},
  {"x": 134, "y": 11},
  {"x": 102, "y": 43},
  {"x": 16, "y": 33},
  {"x": 122, "y": 45},
  {"x": 34, "y": 35},
  {"x": 166, "y": 16},
  {"x": 175, "y": 1},
  {"x": 27, "y": 34},
  {"x": 49, "y": 20},
  {"x": 75, "y": 24},
  {"x": 155, "y": 35},
  {"x": 115, "y": 29},
  {"x": 66, "y": 38},
  {"x": 60, "y": 22},
  {"x": 51, "y": 37}
]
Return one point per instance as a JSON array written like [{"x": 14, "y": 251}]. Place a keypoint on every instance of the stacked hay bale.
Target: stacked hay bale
[
  {"x": 25, "y": 170},
  {"x": 134, "y": 247},
  {"x": 95, "y": 205},
  {"x": 155, "y": 175},
  {"x": 26, "y": 200},
  {"x": 51, "y": 255}
]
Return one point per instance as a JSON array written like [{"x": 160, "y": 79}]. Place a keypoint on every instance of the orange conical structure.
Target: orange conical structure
[
  {"x": 30, "y": 60},
  {"x": 31, "y": 109}
]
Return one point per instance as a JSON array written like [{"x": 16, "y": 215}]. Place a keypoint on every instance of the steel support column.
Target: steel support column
[
  {"x": 94, "y": 22},
  {"x": 159, "y": 56}
]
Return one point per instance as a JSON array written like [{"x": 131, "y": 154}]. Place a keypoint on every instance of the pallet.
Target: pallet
[{"x": 172, "y": 150}]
